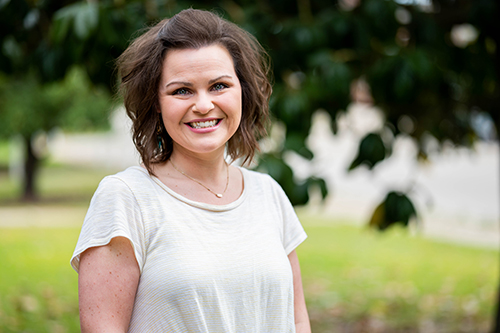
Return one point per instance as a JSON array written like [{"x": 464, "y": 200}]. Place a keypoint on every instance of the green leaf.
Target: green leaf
[
  {"x": 318, "y": 182},
  {"x": 60, "y": 28},
  {"x": 378, "y": 217},
  {"x": 283, "y": 174},
  {"x": 296, "y": 142},
  {"x": 371, "y": 151},
  {"x": 396, "y": 208},
  {"x": 404, "y": 81},
  {"x": 299, "y": 194},
  {"x": 85, "y": 18}
]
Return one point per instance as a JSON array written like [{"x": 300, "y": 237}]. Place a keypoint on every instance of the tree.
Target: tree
[{"x": 40, "y": 86}]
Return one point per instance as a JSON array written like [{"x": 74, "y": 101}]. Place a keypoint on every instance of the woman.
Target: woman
[{"x": 187, "y": 242}]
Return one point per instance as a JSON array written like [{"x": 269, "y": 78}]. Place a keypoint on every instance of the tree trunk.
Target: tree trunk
[{"x": 30, "y": 171}]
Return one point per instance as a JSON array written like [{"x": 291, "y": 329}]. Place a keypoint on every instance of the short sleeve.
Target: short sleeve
[
  {"x": 293, "y": 232},
  {"x": 113, "y": 212}
]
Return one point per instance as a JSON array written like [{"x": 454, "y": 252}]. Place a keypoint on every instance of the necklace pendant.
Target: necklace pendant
[{"x": 218, "y": 195}]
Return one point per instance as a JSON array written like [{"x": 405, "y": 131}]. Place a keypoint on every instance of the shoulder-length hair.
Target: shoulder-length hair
[{"x": 140, "y": 69}]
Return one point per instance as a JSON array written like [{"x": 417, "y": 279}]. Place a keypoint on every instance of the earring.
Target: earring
[{"x": 161, "y": 143}]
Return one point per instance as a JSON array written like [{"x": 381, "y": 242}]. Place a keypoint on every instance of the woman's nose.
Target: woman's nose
[{"x": 203, "y": 104}]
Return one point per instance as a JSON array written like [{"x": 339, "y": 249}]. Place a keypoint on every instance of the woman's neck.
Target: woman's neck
[{"x": 210, "y": 167}]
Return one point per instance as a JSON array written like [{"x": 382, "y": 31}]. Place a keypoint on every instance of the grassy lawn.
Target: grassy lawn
[
  {"x": 38, "y": 289},
  {"x": 355, "y": 280}
]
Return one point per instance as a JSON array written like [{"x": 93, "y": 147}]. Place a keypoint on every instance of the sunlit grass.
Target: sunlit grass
[
  {"x": 351, "y": 277},
  {"x": 395, "y": 280},
  {"x": 38, "y": 287}
]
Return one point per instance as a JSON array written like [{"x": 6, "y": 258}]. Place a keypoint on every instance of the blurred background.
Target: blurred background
[{"x": 384, "y": 136}]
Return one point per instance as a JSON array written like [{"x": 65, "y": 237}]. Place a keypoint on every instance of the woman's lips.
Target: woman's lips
[{"x": 204, "y": 126}]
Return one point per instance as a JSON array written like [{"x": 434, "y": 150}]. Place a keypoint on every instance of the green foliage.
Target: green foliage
[
  {"x": 405, "y": 54},
  {"x": 4, "y": 154},
  {"x": 39, "y": 86},
  {"x": 396, "y": 208},
  {"x": 83, "y": 17},
  {"x": 26, "y": 106},
  {"x": 283, "y": 174},
  {"x": 94, "y": 34},
  {"x": 297, "y": 191},
  {"x": 372, "y": 150},
  {"x": 416, "y": 71},
  {"x": 87, "y": 107}
]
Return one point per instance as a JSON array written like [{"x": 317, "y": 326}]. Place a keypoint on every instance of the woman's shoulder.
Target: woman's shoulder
[
  {"x": 133, "y": 173},
  {"x": 254, "y": 175},
  {"x": 260, "y": 179},
  {"x": 132, "y": 178},
  {"x": 263, "y": 186}
]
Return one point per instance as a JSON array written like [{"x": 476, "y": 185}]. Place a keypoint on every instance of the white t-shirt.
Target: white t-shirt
[{"x": 204, "y": 268}]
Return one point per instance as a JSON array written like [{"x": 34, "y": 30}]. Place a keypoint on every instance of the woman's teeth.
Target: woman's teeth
[{"x": 203, "y": 124}]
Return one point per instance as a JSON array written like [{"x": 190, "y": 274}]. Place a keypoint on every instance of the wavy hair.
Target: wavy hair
[{"x": 140, "y": 68}]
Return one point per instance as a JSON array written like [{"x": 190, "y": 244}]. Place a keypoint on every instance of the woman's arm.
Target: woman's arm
[
  {"x": 302, "y": 324},
  {"x": 107, "y": 283}
]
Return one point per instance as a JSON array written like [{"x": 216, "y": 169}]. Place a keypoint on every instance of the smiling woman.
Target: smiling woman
[{"x": 186, "y": 242}]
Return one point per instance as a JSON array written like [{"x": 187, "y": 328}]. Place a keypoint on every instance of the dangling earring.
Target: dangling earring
[{"x": 161, "y": 143}]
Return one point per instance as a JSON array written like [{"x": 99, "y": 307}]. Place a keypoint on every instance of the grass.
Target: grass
[
  {"x": 38, "y": 289},
  {"x": 355, "y": 280},
  {"x": 395, "y": 282}
]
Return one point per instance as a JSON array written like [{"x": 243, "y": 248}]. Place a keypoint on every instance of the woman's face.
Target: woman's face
[{"x": 200, "y": 99}]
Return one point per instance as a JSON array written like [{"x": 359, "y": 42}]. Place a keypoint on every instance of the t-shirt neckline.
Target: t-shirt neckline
[{"x": 202, "y": 205}]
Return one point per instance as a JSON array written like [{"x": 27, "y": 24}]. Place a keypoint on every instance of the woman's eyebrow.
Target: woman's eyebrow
[
  {"x": 181, "y": 83},
  {"x": 218, "y": 78},
  {"x": 189, "y": 84}
]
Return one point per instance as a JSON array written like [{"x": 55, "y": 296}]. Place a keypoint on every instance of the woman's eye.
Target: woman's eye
[
  {"x": 181, "y": 91},
  {"x": 219, "y": 86}
]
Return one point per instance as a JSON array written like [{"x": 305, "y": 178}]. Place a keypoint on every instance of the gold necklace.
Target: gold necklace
[{"x": 218, "y": 195}]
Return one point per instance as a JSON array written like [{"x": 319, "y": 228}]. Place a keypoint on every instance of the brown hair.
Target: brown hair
[{"x": 140, "y": 68}]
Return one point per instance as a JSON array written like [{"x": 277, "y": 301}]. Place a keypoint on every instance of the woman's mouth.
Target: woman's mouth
[{"x": 204, "y": 124}]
